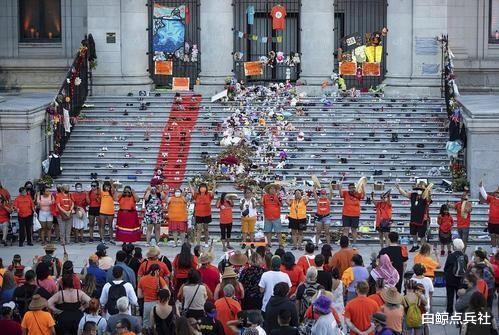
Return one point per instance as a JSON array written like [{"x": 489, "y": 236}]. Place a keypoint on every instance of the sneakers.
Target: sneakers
[{"x": 414, "y": 248}]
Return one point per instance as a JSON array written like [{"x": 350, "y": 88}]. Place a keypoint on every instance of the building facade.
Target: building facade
[{"x": 40, "y": 38}]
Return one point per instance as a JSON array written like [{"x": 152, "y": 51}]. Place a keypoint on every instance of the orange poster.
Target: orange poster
[
  {"x": 348, "y": 68},
  {"x": 163, "y": 67},
  {"x": 180, "y": 84},
  {"x": 371, "y": 69},
  {"x": 253, "y": 69}
]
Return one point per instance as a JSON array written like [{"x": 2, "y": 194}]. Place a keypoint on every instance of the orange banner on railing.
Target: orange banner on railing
[
  {"x": 348, "y": 68},
  {"x": 371, "y": 69},
  {"x": 180, "y": 83},
  {"x": 253, "y": 69},
  {"x": 163, "y": 67}
]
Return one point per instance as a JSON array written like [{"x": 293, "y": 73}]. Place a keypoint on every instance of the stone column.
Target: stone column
[
  {"x": 317, "y": 41},
  {"x": 217, "y": 40},
  {"x": 122, "y": 65}
]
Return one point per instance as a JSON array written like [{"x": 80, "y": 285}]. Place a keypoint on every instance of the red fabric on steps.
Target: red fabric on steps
[{"x": 176, "y": 139}]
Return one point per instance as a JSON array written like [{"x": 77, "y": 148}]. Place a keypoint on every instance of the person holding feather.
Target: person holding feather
[
  {"x": 351, "y": 207},
  {"x": 463, "y": 209},
  {"x": 420, "y": 203}
]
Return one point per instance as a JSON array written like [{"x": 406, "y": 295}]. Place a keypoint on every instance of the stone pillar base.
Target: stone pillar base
[
  {"x": 117, "y": 85},
  {"x": 404, "y": 86}
]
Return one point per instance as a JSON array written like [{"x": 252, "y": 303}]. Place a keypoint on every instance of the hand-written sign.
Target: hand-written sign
[
  {"x": 163, "y": 67},
  {"x": 253, "y": 69},
  {"x": 180, "y": 83},
  {"x": 348, "y": 68},
  {"x": 371, "y": 69}
]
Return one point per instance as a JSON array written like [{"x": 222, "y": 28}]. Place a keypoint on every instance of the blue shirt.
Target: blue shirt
[
  {"x": 100, "y": 276},
  {"x": 128, "y": 274},
  {"x": 251, "y": 14}
]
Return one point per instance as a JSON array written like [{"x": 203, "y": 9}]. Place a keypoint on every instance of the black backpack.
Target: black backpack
[
  {"x": 53, "y": 264},
  {"x": 116, "y": 291},
  {"x": 459, "y": 268},
  {"x": 308, "y": 294}
]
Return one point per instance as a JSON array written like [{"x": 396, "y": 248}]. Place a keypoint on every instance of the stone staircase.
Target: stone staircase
[{"x": 359, "y": 131}]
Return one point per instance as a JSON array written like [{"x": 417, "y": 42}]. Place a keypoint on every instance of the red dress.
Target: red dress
[{"x": 127, "y": 223}]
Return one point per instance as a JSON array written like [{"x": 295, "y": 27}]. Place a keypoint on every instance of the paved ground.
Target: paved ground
[{"x": 79, "y": 253}]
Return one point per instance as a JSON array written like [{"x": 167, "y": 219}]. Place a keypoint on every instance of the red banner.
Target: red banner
[
  {"x": 348, "y": 68},
  {"x": 163, "y": 67},
  {"x": 180, "y": 84},
  {"x": 371, "y": 69},
  {"x": 253, "y": 69}
]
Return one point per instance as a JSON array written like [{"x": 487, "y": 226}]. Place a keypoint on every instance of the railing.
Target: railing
[{"x": 71, "y": 97}]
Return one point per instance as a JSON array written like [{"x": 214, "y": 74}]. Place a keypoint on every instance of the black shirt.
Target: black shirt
[
  {"x": 210, "y": 326},
  {"x": 285, "y": 330},
  {"x": 325, "y": 279},
  {"x": 397, "y": 257},
  {"x": 418, "y": 208}
]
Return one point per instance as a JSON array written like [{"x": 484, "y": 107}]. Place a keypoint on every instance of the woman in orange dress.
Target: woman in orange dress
[{"x": 127, "y": 225}]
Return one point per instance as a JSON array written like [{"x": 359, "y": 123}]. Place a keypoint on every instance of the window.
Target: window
[
  {"x": 40, "y": 21},
  {"x": 494, "y": 21}
]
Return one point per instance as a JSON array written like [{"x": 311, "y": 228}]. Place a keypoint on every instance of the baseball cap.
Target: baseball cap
[{"x": 102, "y": 247}]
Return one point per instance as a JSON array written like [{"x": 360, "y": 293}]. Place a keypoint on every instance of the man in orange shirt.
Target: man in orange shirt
[
  {"x": 271, "y": 203},
  {"x": 463, "y": 218},
  {"x": 359, "y": 311},
  {"x": 342, "y": 259},
  {"x": 25, "y": 208},
  {"x": 153, "y": 258},
  {"x": 351, "y": 210},
  {"x": 227, "y": 308}
]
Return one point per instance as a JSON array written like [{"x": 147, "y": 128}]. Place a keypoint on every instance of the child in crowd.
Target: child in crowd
[{"x": 445, "y": 223}]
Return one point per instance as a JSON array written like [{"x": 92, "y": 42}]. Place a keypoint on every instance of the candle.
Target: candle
[
  {"x": 50, "y": 34},
  {"x": 32, "y": 32}
]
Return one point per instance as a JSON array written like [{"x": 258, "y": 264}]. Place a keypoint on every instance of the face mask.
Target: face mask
[
  {"x": 177, "y": 194},
  {"x": 419, "y": 192},
  {"x": 23, "y": 193}
]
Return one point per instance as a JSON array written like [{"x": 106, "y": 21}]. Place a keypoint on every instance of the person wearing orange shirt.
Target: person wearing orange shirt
[
  {"x": 307, "y": 260},
  {"x": 383, "y": 216},
  {"x": 79, "y": 198},
  {"x": 493, "y": 201},
  {"x": 202, "y": 211},
  {"x": 297, "y": 218},
  {"x": 463, "y": 210},
  {"x": 424, "y": 258},
  {"x": 4, "y": 193},
  {"x": 227, "y": 308},
  {"x": 25, "y": 207},
  {"x": 445, "y": 223},
  {"x": 93, "y": 199},
  {"x": 182, "y": 263},
  {"x": 342, "y": 258},
  {"x": 5, "y": 210},
  {"x": 106, "y": 210},
  {"x": 128, "y": 228},
  {"x": 322, "y": 216},
  {"x": 351, "y": 210},
  {"x": 65, "y": 206},
  {"x": 225, "y": 205},
  {"x": 271, "y": 203},
  {"x": 295, "y": 272},
  {"x": 177, "y": 216},
  {"x": 148, "y": 288},
  {"x": 359, "y": 311},
  {"x": 153, "y": 258}
]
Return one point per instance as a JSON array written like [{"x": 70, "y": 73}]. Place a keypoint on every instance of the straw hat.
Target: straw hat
[
  {"x": 379, "y": 318},
  {"x": 206, "y": 257},
  {"x": 420, "y": 185},
  {"x": 238, "y": 258},
  {"x": 37, "y": 303},
  {"x": 153, "y": 252},
  {"x": 268, "y": 186},
  {"x": 391, "y": 295},
  {"x": 50, "y": 247},
  {"x": 229, "y": 273}
]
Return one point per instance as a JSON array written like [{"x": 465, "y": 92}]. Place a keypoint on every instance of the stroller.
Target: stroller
[{"x": 11, "y": 233}]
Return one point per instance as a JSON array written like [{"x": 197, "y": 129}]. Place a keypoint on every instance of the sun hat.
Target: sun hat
[
  {"x": 391, "y": 295},
  {"x": 10, "y": 305},
  {"x": 229, "y": 273},
  {"x": 322, "y": 304},
  {"x": 268, "y": 186},
  {"x": 50, "y": 247},
  {"x": 379, "y": 318},
  {"x": 153, "y": 252},
  {"x": 206, "y": 257},
  {"x": 37, "y": 303},
  {"x": 238, "y": 258}
]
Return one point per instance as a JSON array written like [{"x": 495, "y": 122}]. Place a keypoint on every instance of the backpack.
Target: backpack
[
  {"x": 52, "y": 263},
  {"x": 413, "y": 317},
  {"x": 116, "y": 291},
  {"x": 305, "y": 328},
  {"x": 459, "y": 268},
  {"x": 308, "y": 294}
]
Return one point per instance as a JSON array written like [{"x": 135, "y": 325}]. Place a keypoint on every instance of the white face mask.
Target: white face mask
[
  {"x": 78, "y": 189},
  {"x": 419, "y": 192},
  {"x": 177, "y": 194}
]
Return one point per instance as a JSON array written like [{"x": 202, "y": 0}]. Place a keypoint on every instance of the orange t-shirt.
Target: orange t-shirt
[
  {"x": 127, "y": 203},
  {"x": 227, "y": 309},
  {"x": 483, "y": 288},
  {"x": 494, "y": 209},
  {"x": 163, "y": 269},
  {"x": 4, "y": 214},
  {"x": 360, "y": 310},
  {"x": 225, "y": 212},
  {"x": 64, "y": 201},
  {"x": 305, "y": 262},
  {"x": 445, "y": 223},
  {"x": 24, "y": 205},
  {"x": 323, "y": 206},
  {"x": 383, "y": 212},
  {"x": 462, "y": 222},
  {"x": 177, "y": 209},
  {"x": 181, "y": 273},
  {"x": 377, "y": 298},
  {"x": 106, "y": 203},
  {"x": 38, "y": 322},
  {"x": 94, "y": 201},
  {"x": 271, "y": 207},
  {"x": 79, "y": 199},
  {"x": 342, "y": 259},
  {"x": 296, "y": 277},
  {"x": 429, "y": 263},
  {"x": 150, "y": 286},
  {"x": 315, "y": 315},
  {"x": 351, "y": 203},
  {"x": 202, "y": 205}
]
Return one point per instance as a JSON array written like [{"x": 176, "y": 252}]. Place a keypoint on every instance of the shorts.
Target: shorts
[
  {"x": 419, "y": 230},
  {"x": 445, "y": 238},
  {"x": 93, "y": 211},
  {"x": 270, "y": 226},
  {"x": 180, "y": 226},
  {"x": 493, "y": 228},
  {"x": 106, "y": 216},
  {"x": 463, "y": 234},
  {"x": 45, "y": 216},
  {"x": 202, "y": 219},
  {"x": 383, "y": 229},
  {"x": 326, "y": 220},
  {"x": 225, "y": 231},
  {"x": 298, "y": 224},
  {"x": 350, "y": 221},
  {"x": 248, "y": 224}
]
